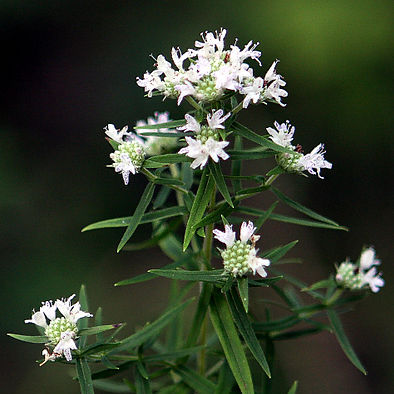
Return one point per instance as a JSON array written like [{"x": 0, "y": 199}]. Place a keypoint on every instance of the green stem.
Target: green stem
[
  {"x": 238, "y": 108},
  {"x": 193, "y": 103},
  {"x": 152, "y": 178},
  {"x": 271, "y": 180}
]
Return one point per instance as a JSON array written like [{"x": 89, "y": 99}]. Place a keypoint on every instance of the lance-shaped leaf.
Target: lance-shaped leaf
[
  {"x": 194, "y": 380},
  {"x": 84, "y": 376},
  {"x": 250, "y": 154},
  {"x": 149, "y": 276},
  {"x": 30, "y": 338},
  {"x": 166, "y": 125},
  {"x": 236, "y": 166},
  {"x": 142, "y": 384},
  {"x": 163, "y": 160},
  {"x": 298, "y": 207},
  {"x": 263, "y": 218},
  {"x": 83, "y": 323},
  {"x": 200, "y": 203},
  {"x": 97, "y": 329},
  {"x": 243, "y": 287},
  {"x": 344, "y": 341},
  {"x": 148, "y": 217},
  {"x": 136, "y": 218},
  {"x": 223, "y": 324},
  {"x": 217, "y": 174},
  {"x": 258, "y": 139},
  {"x": 277, "y": 253},
  {"x": 225, "y": 380},
  {"x": 151, "y": 329},
  {"x": 215, "y": 276},
  {"x": 289, "y": 219},
  {"x": 293, "y": 388},
  {"x": 245, "y": 328}
]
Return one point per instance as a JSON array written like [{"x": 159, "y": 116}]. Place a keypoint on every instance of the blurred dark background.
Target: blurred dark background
[{"x": 70, "y": 68}]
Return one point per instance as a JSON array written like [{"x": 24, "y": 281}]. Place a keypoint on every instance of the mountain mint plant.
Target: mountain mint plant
[{"x": 195, "y": 201}]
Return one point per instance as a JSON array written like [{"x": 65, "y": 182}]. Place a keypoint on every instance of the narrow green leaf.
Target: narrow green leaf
[
  {"x": 97, "y": 329},
  {"x": 148, "y": 217},
  {"x": 199, "y": 314},
  {"x": 161, "y": 160},
  {"x": 83, "y": 323},
  {"x": 276, "y": 325},
  {"x": 217, "y": 174},
  {"x": 245, "y": 328},
  {"x": 263, "y": 218},
  {"x": 293, "y": 388},
  {"x": 258, "y": 139},
  {"x": 142, "y": 385},
  {"x": 187, "y": 175},
  {"x": 197, "y": 382},
  {"x": 111, "y": 386},
  {"x": 113, "y": 143},
  {"x": 215, "y": 216},
  {"x": 105, "y": 360},
  {"x": 265, "y": 282},
  {"x": 243, "y": 288},
  {"x": 166, "y": 125},
  {"x": 162, "y": 197},
  {"x": 250, "y": 154},
  {"x": 98, "y": 320},
  {"x": 30, "y": 338},
  {"x": 277, "y": 253},
  {"x": 343, "y": 340},
  {"x": 84, "y": 376},
  {"x": 223, "y": 324},
  {"x": 173, "y": 355},
  {"x": 199, "y": 206},
  {"x": 98, "y": 348},
  {"x": 236, "y": 166},
  {"x": 289, "y": 219},
  {"x": 225, "y": 381},
  {"x": 151, "y": 329},
  {"x": 136, "y": 218},
  {"x": 168, "y": 181},
  {"x": 322, "y": 284},
  {"x": 197, "y": 276},
  {"x": 148, "y": 276},
  {"x": 298, "y": 207},
  {"x": 284, "y": 336}
]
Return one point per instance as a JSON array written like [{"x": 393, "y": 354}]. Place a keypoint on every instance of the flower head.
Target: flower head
[
  {"x": 210, "y": 70},
  {"x": 362, "y": 274},
  {"x": 60, "y": 331},
  {"x": 128, "y": 158},
  {"x": 207, "y": 143},
  {"x": 115, "y": 134},
  {"x": 240, "y": 257},
  {"x": 296, "y": 161}
]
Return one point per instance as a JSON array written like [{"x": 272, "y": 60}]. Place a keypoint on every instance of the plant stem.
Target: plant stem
[
  {"x": 334, "y": 297},
  {"x": 271, "y": 180},
  {"x": 238, "y": 108}
]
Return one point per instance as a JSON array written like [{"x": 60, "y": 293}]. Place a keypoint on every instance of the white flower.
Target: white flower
[
  {"x": 253, "y": 92},
  {"x": 216, "y": 119},
  {"x": 186, "y": 89},
  {"x": 227, "y": 237},
  {"x": 117, "y": 135},
  {"x": 247, "y": 230},
  {"x": 61, "y": 331},
  {"x": 240, "y": 257},
  {"x": 313, "y": 162},
  {"x": 202, "y": 151},
  {"x": 367, "y": 259},
  {"x": 284, "y": 134},
  {"x": 273, "y": 83},
  {"x": 257, "y": 264},
  {"x": 66, "y": 344},
  {"x": 373, "y": 280},
  {"x": 151, "y": 82},
  {"x": 71, "y": 312},
  {"x": 191, "y": 124}
]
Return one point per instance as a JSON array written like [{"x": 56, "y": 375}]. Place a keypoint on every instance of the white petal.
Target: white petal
[
  {"x": 367, "y": 259},
  {"x": 227, "y": 237},
  {"x": 49, "y": 309},
  {"x": 247, "y": 230},
  {"x": 38, "y": 319}
]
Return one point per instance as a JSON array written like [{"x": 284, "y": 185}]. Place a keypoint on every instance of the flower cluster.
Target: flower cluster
[
  {"x": 129, "y": 154},
  {"x": 157, "y": 145},
  {"x": 207, "y": 139},
  {"x": 240, "y": 256},
  {"x": 61, "y": 331},
  {"x": 212, "y": 72},
  {"x": 296, "y": 161},
  {"x": 361, "y": 275}
]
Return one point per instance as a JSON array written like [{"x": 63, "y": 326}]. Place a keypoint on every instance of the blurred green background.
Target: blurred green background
[{"x": 70, "y": 69}]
